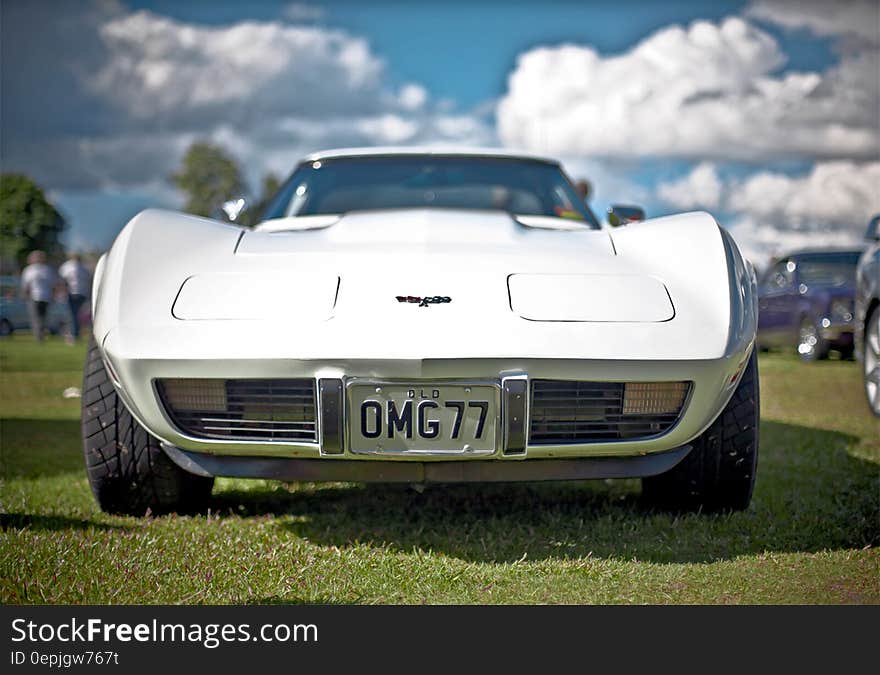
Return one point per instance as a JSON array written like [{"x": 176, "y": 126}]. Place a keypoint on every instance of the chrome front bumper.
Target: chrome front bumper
[{"x": 711, "y": 389}]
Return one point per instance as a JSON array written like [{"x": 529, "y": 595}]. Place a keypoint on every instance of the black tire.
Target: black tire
[
  {"x": 5, "y": 327},
  {"x": 719, "y": 473},
  {"x": 811, "y": 345},
  {"x": 128, "y": 471}
]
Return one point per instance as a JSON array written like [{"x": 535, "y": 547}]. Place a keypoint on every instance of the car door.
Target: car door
[
  {"x": 777, "y": 304},
  {"x": 12, "y": 307}
]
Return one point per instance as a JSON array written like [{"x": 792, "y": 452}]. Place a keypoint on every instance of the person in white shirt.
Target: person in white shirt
[
  {"x": 79, "y": 281},
  {"x": 37, "y": 286}
]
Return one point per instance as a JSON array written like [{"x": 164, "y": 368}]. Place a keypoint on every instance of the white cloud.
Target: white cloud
[
  {"x": 389, "y": 129},
  {"x": 412, "y": 96},
  {"x": 185, "y": 72},
  {"x": 705, "y": 91},
  {"x": 857, "y": 20},
  {"x": 760, "y": 242},
  {"x": 268, "y": 91},
  {"x": 459, "y": 129},
  {"x": 773, "y": 212},
  {"x": 135, "y": 157},
  {"x": 301, "y": 12},
  {"x": 833, "y": 193},
  {"x": 610, "y": 183},
  {"x": 701, "y": 188}
]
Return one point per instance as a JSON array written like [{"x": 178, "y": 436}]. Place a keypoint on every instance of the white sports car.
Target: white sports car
[{"x": 422, "y": 316}]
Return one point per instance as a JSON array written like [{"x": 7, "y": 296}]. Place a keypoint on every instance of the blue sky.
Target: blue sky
[{"x": 763, "y": 112}]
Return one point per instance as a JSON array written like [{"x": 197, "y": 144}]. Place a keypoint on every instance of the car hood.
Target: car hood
[
  {"x": 543, "y": 269},
  {"x": 658, "y": 289}
]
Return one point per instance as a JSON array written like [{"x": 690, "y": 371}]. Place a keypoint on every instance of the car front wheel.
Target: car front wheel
[
  {"x": 128, "y": 471},
  {"x": 719, "y": 472}
]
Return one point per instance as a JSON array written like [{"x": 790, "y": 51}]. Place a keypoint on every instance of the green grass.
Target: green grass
[{"x": 810, "y": 535}]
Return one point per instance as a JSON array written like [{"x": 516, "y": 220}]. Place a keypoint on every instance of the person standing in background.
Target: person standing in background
[
  {"x": 79, "y": 281},
  {"x": 584, "y": 188},
  {"x": 37, "y": 286}
]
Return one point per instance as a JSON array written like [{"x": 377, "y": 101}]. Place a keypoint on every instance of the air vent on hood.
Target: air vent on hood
[
  {"x": 589, "y": 297},
  {"x": 269, "y": 295}
]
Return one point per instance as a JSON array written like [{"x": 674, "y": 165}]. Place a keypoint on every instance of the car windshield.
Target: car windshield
[
  {"x": 343, "y": 184},
  {"x": 829, "y": 269}
]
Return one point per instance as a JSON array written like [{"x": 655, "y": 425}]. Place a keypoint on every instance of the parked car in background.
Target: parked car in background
[
  {"x": 806, "y": 301},
  {"x": 867, "y": 314},
  {"x": 14, "y": 311}
]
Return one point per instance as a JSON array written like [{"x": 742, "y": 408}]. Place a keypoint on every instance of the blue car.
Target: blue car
[
  {"x": 806, "y": 302},
  {"x": 14, "y": 311}
]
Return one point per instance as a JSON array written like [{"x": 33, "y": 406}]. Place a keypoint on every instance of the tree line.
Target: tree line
[{"x": 208, "y": 176}]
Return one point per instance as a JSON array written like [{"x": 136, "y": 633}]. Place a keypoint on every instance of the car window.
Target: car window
[
  {"x": 8, "y": 289},
  {"x": 343, "y": 184},
  {"x": 835, "y": 270}
]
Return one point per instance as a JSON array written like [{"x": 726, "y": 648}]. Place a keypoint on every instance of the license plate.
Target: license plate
[{"x": 423, "y": 419}]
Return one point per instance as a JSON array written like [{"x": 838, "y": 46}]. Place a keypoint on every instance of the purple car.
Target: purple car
[{"x": 806, "y": 301}]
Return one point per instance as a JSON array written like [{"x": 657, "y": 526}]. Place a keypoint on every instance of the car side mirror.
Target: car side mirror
[
  {"x": 233, "y": 210},
  {"x": 873, "y": 231},
  {"x": 620, "y": 214}
]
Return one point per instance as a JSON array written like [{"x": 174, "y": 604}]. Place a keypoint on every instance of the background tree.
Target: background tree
[
  {"x": 28, "y": 220},
  {"x": 209, "y": 177},
  {"x": 271, "y": 183}
]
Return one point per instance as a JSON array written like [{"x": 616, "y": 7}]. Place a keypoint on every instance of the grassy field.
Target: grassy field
[{"x": 810, "y": 535}]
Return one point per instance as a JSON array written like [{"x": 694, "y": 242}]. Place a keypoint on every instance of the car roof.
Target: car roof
[{"x": 458, "y": 151}]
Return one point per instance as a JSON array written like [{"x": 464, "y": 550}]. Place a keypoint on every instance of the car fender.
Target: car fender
[
  {"x": 704, "y": 271},
  {"x": 149, "y": 261}
]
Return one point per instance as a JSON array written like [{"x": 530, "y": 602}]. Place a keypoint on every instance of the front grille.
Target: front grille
[
  {"x": 242, "y": 410},
  {"x": 564, "y": 411}
]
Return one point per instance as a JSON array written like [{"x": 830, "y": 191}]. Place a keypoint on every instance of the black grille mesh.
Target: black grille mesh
[
  {"x": 246, "y": 410},
  {"x": 564, "y": 411}
]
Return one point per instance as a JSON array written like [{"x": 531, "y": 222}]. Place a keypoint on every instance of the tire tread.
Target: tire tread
[
  {"x": 128, "y": 471},
  {"x": 719, "y": 472}
]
